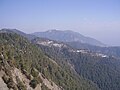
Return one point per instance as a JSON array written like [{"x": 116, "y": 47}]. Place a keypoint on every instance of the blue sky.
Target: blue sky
[{"x": 99, "y": 19}]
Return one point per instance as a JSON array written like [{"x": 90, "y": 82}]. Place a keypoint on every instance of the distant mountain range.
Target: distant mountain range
[{"x": 68, "y": 36}]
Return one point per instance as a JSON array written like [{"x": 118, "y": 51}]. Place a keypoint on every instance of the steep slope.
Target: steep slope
[
  {"x": 19, "y": 68},
  {"x": 24, "y": 65},
  {"x": 68, "y": 36},
  {"x": 101, "y": 69},
  {"x": 3, "y": 86}
]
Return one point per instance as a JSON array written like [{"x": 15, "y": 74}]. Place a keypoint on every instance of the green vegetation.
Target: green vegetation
[
  {"x": 36, "y": 78},
  {"x": 33, "y": 83},
  {"x": 19, "y": 52},
  {"x": 103, "y": 71}
]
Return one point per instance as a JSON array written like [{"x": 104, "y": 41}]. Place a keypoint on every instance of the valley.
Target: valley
[{"x": 39, "y": 63}]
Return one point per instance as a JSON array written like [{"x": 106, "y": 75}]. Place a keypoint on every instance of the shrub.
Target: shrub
[
  {"x": 34, "y": 72},
  {"x": 33, "y": 83}
]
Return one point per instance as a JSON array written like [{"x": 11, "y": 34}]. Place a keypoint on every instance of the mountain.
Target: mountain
[
  {"x": 67, "y": 36},
  {"x": 42, "y": 63},
  {"x": 24, "y": 66},
  {"x": 99, "y": 68},
  {"x": 28, "y": 36}
]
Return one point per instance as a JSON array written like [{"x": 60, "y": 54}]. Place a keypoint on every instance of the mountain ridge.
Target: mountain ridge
[
  {"x": 28, "y": 36},
  {"x": 69, "y": 66},
  {"x": 17, "y": 52},
  {"x": 68, "y": 36},
  {"x": 103, "y": 70}
]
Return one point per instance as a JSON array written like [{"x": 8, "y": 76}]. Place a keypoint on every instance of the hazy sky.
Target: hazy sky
[{"x": 99, "y": 19}]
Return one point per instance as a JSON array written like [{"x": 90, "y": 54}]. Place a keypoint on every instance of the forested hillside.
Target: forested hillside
[
  {"x": 103, "y": 70},
  {"x": 47, "y": 64},
  {"x": 16, "y": 52}
]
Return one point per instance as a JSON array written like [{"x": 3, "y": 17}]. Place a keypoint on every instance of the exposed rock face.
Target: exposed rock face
[
  {"x": 17, "y": 73},
  {"x": 3, "y": 86},
  {"x": 50, "y": 84}
]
